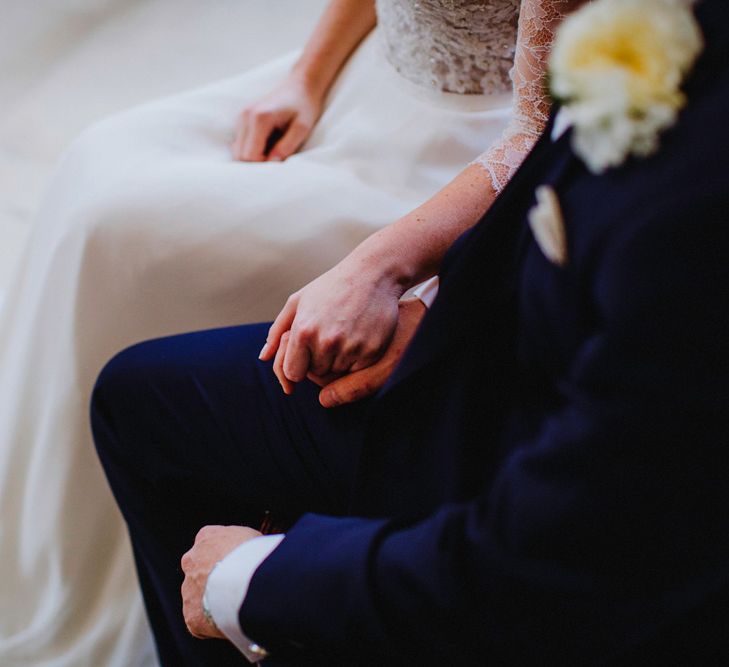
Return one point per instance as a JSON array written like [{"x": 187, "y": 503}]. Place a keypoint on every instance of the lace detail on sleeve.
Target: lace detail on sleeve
[{"x": 538, "y": 21}]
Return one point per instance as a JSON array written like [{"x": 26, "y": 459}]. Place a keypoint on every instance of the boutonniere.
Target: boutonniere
[{"x": 617, "y": 67}]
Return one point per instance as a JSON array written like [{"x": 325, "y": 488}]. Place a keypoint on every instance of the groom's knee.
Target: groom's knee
[
  {"x": 121, "y": 392},
  {"x": 121, "y": 378}
]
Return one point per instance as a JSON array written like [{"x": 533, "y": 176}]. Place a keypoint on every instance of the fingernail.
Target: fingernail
[
  {"x": 275, "y": 158},
  {"x": 263, "y": 351}
]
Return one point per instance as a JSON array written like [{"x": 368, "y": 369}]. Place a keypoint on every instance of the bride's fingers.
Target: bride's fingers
[
  {"x": 292, "y": 140},
  {"x": 343, "y": 363},
  {"x": 280, "y": 325},
  {"x": 286, "y": 384},
  {"x": 322, "y": 368},
  {"x": 298, "y": 356},
  {"x": 240, "y": 136},
  {"x": 366, "y": 360},
  {"x": 321, "y": 360},
  {"x": 260, "y": 126}
]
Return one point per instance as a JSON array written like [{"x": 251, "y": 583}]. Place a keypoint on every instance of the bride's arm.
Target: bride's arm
[
  {"x": 342, "y": 27},
  {"x": 292, "y": 109},
  {"x": 412, "y": 248},
  {"x": 344, "y": 319}
]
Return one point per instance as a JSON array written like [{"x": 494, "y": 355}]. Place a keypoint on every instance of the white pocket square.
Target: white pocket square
[{"x": 547, "y": 225}]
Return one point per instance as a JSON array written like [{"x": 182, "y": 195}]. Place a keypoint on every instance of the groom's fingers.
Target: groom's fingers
[
  {"x": 354, "y": 387},
  {"x": 280, "y": 325},
  {"x": 362, "y": 383}
]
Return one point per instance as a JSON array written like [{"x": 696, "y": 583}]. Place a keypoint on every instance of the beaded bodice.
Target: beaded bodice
[{"x": 460, "y": 46}]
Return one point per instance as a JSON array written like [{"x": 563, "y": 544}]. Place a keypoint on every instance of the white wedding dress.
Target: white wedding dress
[{"x": 149, "y": 228}]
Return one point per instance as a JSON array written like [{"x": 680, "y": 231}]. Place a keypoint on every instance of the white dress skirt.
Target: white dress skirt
[{"x": 150, "y": 228}]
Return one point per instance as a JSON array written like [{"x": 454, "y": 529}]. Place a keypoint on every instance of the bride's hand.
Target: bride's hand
[
  {"x": 275, "y": 127},
  {"x": 341, "y": 322},
  {"x": 361, "y": 384}
]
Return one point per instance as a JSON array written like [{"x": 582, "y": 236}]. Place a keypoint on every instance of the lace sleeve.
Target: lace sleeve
[{"x": 538, "y": 21}]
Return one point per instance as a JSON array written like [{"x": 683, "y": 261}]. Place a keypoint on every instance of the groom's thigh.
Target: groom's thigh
[
  {"x": 193, "y": 430},
  {"x": 197, "y": 420}
]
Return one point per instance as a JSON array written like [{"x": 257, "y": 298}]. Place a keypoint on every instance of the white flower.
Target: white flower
[{"x": 618, "y": 66}]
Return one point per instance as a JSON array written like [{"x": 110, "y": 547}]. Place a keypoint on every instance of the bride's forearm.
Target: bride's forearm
[
  {"x": 412, "y": 248},
  {"x": 354, "y": 305},
  {"x": 344, "y": 24}
]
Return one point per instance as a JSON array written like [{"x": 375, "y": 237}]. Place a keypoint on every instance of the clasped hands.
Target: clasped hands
[{"x": 346, "y": 331}]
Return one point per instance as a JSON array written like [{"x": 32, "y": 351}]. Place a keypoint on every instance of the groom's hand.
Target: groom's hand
[
  {"x": 341, "y": 322},
  {"x": 212, "y": 544},
  {"x": 361, "y": 384}
]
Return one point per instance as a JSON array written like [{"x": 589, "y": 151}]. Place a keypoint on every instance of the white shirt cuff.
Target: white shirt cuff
[
  {"x": 427, "y": 291},
  {"x": 227, "y": 588}
]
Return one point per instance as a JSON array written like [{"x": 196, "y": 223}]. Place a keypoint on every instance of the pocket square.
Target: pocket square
[{"x": 547, "y": 225}]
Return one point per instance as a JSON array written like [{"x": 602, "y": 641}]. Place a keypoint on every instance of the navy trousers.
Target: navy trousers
[{"x": 193, "y": 430}]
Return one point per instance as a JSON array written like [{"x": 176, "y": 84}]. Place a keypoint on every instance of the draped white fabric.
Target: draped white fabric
[
  {"x": 66, "y": 63},
  {"x": 149, "y": 229}
]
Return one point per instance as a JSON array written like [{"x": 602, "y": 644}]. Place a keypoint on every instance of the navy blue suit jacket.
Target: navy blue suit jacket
[{"x": 555, "y": 443}]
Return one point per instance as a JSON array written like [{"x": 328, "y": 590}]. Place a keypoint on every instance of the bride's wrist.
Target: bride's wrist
[
  {"x": 380, "y": 266},
  {"x": 311, "y": 79}
]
